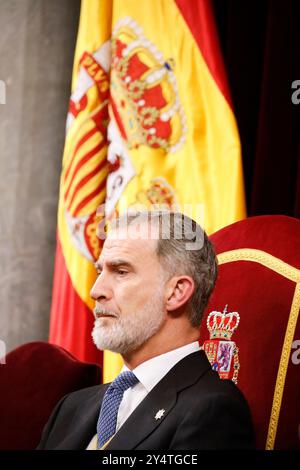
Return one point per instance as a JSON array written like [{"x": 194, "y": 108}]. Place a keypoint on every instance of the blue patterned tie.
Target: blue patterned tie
[{"x": 106, "y": 426}]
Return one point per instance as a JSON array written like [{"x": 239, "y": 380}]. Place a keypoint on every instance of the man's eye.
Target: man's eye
[{"x": 122, "y": 272}]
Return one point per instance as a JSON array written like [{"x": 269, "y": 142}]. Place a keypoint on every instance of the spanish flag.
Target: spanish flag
[{"x": 150, "y": 124}]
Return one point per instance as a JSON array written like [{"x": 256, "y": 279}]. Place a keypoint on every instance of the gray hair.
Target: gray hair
[{"x": 182, "y": 248}]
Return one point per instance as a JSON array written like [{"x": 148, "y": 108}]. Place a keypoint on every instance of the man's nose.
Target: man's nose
[{"x": 100, "y": 290}]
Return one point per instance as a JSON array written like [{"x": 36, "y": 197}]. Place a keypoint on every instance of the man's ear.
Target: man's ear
[{"x": 179, "y": 291}]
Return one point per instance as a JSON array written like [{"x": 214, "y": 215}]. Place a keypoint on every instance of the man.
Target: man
[{"x": 155, "y": 275}]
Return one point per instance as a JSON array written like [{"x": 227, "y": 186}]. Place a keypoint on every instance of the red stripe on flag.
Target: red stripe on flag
[
  {"x": 199, "y": 17},
  {"x": 79, "y": 144},
  {"x": 86, "y": 179},
  {"x": 88, "y": 198},
  {"x": 81, "y": 162},
  {"x": 71, "y": 320}
]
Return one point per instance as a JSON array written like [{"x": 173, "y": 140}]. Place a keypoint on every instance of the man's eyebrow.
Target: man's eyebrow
[
  {"x": 116, "y": 263},
  {"x": 113, "y": 264}
]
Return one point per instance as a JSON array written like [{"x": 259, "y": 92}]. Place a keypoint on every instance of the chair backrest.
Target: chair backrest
[
  {"x": 33, "y": 379},
  {"x": 259, "y": 347}
]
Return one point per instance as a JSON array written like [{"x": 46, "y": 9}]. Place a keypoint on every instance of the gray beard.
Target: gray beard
[{"x": 126, "y": 334}]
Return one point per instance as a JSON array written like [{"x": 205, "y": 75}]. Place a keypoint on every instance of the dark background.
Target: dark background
[{"x": 260, "y": 41}]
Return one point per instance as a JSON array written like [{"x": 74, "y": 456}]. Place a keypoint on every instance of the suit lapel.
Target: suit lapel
[
  {"x": 145, "y": 418},
  {"x": 85, "y": 417}
]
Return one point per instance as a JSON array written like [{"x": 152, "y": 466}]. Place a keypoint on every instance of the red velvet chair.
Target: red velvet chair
[
  {"x": 259, "y": 344},
  {"x": 34, "y": 378}
]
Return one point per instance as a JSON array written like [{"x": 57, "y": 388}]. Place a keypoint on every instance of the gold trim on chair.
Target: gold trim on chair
[
  {"x": 282, "y": 369},
  {"x": 293, "y": 274},
  {"x": 261, "y": 257}
]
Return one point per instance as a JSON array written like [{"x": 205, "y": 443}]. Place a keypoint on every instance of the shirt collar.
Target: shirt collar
[{"x": 150, "y": 372}]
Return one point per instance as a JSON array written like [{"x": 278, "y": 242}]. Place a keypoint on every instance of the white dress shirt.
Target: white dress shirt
[{"x": 149, "y": 373}]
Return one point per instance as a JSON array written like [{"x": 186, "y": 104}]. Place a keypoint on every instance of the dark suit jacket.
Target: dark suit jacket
[{"x": 201, "y": 412}]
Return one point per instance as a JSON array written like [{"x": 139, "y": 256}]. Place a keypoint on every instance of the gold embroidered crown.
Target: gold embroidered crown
[
  {"x": 222, "y": 324},
  {"x": 144, "y": 96}
]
